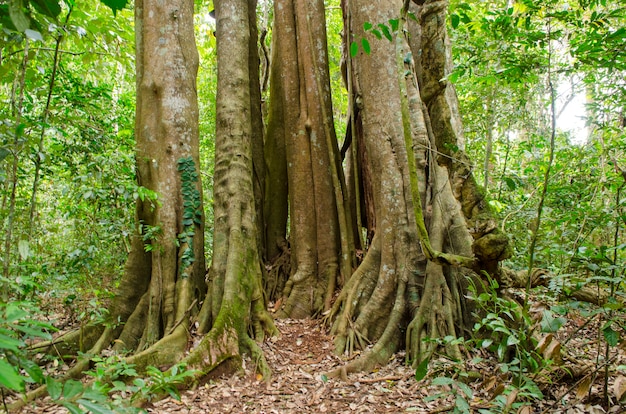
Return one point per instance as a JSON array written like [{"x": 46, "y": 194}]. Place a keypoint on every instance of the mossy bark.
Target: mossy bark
[
  {"x": 413, "y": 146},
  {"x": 237, "y": 301}
]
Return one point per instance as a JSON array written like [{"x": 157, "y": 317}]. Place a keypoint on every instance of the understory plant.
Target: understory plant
[
  {"x": 116, "y": 387},
  {"x": 17, "y": 329},
  {"x": 507, "y": 330}
]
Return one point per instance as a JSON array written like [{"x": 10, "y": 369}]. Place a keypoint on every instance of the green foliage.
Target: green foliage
[
  {"x": 386, "y": 30},
  {"x": 17, "y": 328},
  {"x": 506, "y": 329},
  {"x": 149, "y": 235},
  {"x": 460, "y": 391},
  {"x": 115, "y": 386},
  {"x": 115, "y": 5},
  {"x": 82, "y": 221},
  {"x": 192, "y": 208}
]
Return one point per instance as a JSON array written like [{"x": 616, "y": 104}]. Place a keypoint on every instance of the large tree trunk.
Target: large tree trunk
[
  {"x": 165, "y": 270},
  {"x": 164, "y": 277},
  {"x": 301, "y": 128},
  {"x": 236, "y": 300},
  {"x": 400, "y": 286}
]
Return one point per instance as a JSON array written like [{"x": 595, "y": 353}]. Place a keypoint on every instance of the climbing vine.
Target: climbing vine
[{"x": 192, "y": 209}]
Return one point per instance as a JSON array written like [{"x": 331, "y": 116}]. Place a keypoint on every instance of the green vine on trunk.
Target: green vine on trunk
[{"x": 192, "y": 210}]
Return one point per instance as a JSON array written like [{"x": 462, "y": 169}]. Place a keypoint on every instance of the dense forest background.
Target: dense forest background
[{"x": 542, "y": 94}]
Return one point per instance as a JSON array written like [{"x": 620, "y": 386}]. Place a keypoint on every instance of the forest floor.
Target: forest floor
[{"x": 303, "y": 353}]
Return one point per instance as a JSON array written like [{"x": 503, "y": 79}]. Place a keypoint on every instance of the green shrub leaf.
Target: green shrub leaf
[{"x": 9, "y": 378}]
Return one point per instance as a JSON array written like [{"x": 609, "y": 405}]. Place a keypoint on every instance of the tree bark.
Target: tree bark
[
  {"x": 400, "y": 286},
  {"x": 301, "y": 120}
]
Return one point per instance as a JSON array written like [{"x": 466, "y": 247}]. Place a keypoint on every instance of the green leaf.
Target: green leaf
[
  {"x": 9, "y": 377},
  {"x": 33, "y": 35},
  {"x": 8, "y": 343},
  {"x": 95, "y": 407},
  {"x": 72, "y": 388},
  {"x": 50, "y": 8},
  {"x": 72, "y": 408},
  {"x": 35, "y": 374},
  {"x": 367, "y": 26},
  {"x": 377, "y": 33},
  {"x": 54, "y": 388},
  {"x": 442, "y": 381},
  {"x": 4, "y": 153},
  {"x": 115, "y": 5},
  {"x": 15, "y": 311},
  {"x": 354, "y": 49},
  {"x": 461, "y": 404},
  {"x": 550, "y": 324},
  {"x": 512, "y": 340},
  {"x": 421, "y": 370},
  {"x": 18, "y": 17},
  {"x": 611, "y": 337},
  {"x": 24, "y": 248},
  {"x": 454, "y": 20},
  {"x": 466, "y": 389},
  {"x": 394, "y": 23},
  {"x": 385, "y": 30},
  {"x": 366, "y": 46}
]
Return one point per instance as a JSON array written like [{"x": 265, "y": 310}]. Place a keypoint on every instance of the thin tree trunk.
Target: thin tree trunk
[
  {"x": 40, "y": 156},
  {"x": 17, "y": 109}
]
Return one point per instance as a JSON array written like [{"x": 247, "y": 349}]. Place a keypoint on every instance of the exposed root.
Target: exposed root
[
  {"x": 387, "y": 344},
  {"x": 434, "y": 318},
  {"x": 69, "y": 344},
  {"x": 358, "y": 288}
]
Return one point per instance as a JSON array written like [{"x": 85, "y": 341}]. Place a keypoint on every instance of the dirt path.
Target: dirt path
[{"x": 298, "y": 360}]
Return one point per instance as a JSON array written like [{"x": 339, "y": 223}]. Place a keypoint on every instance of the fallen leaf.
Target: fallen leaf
[
  {"x": 544, "y": 342},
  {"x": 489, "y": 383},
  {"x": 510, "y": 399},
  {"x": 583, "y": 388},
  {"x": 553, "y": 352},
  {"x": 619, "y": 388},
  {"x": 497, "y": 391}
]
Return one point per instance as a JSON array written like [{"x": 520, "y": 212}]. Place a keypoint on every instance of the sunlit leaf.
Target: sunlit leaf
[
  {"x": 354, "y": 49},
  {"x": 33, "y": 35},
  {"x": 366, "y": 46},
  {"x": 24, "y": 248},
  {"x": 9, "y": 377}
]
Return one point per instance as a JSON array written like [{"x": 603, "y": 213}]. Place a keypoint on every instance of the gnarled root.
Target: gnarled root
[{"x": 435, "y": 318}]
